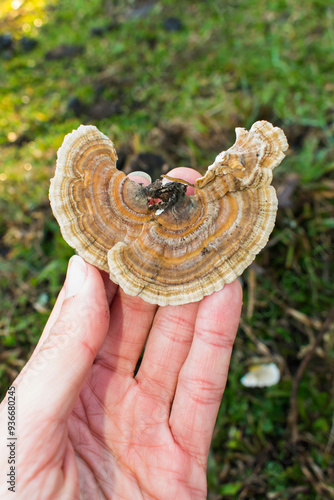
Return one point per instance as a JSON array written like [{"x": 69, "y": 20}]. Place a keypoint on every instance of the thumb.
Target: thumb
[{"x": 53, "y": 378}]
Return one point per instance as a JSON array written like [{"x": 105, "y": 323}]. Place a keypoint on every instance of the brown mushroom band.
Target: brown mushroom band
[{"x": 179, "y": 248}]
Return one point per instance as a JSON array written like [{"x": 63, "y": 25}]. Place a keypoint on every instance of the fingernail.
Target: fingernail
[
  {"x": 140, "y": 177},
  {"x": 76, "y": 276}
]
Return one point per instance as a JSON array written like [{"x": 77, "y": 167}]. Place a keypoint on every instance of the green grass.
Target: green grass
[{"x": 181, "y": 94}]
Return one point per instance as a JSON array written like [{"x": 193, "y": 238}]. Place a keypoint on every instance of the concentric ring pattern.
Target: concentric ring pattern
[{"x": 179, "y": 251}]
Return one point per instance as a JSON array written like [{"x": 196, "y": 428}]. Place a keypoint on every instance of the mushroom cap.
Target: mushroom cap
[
  {"x": 264, "y": 375},
  {"x": 155, "y": 241}
]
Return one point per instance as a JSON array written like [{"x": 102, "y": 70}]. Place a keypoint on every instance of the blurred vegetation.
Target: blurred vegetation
[{"x": 174, "y": 78}]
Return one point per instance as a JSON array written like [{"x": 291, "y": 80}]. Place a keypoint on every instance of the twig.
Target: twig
[
  {"x": 251, "y": 292},
  {"x": 315, "y": 477},
  {"x": 331, "y": 438},
  {"x": 288, "y": 491},
  {"x": 293, "y": 413},
  {"x": 261, "y": 347}
]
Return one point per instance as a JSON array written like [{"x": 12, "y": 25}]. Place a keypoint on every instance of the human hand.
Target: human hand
[{"x": 88, "y": 426}]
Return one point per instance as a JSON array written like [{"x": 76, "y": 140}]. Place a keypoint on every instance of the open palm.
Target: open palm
[{"x": 89, "y": 427}]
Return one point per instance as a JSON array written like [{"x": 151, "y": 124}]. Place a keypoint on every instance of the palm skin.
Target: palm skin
[
  {"x": 89, "y": 426},
  {"x": 153, "y": 454},
  {"x": 103, "y": 433}
]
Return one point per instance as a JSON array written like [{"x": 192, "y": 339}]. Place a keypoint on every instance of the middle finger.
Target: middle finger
[{"x": 166, "y": 350}]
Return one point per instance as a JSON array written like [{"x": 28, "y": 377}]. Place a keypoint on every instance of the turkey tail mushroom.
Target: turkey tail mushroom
[{"x": 177, "y": 248}]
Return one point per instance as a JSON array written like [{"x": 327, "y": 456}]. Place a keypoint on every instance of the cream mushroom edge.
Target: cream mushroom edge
[{"x": 155, "y": 241}]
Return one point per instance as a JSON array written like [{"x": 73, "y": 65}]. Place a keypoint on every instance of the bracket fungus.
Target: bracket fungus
[{"x": 156, "y": 241}]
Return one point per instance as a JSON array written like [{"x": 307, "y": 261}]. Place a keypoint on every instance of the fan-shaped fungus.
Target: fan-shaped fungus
[{"x": 155, "y": 241}]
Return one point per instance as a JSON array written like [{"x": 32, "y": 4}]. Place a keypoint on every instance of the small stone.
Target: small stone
[
  {"x": 64, "y": 51},
  {"x": 6, "y": 42},
  {"x": 172, "y": 24},
  {"x": 28, "y": 44},
  {"x": 76, "y": 105},
  {"x": 98, "y": 31}
]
